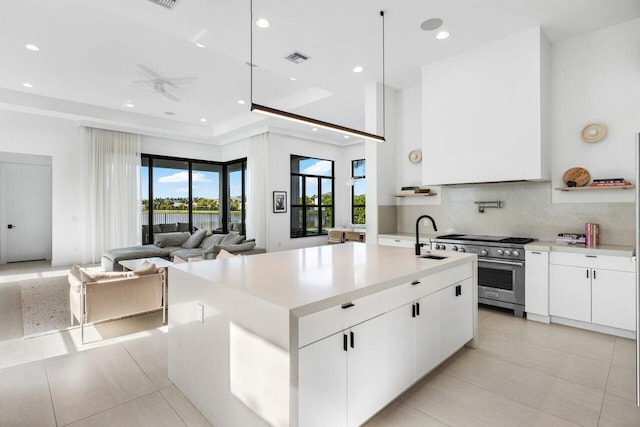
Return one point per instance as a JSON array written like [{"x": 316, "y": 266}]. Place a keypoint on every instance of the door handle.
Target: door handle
[
  {"x": 352, "y": 339},
  {"x": 11, "y": 226},
  {"x": 344, "y": 342},
  {"x": 413, "y": 310},
  {"x": 417, "y": 309}
]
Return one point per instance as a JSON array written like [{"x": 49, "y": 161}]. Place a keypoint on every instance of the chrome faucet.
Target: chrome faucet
[{"x": 418, "y": 244}]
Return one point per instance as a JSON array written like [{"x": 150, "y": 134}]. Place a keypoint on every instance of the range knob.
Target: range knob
[
  {"x": 507, "y": 252},
  {"x": 443, "y": 247},
  {"x": 500, "y": 252},
  {"x": 455, "y": 248},
  {"x": 516, "y": 253},
  {"x": 461, "y": 249},
  {"x": 483, "y": 253}
]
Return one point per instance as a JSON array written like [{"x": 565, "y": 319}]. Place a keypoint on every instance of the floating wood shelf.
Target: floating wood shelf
[
  {"x": 608, "y": 187},
  {"x": 416, "y": 195}
]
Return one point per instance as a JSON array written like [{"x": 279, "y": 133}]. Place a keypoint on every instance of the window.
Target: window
[
  {"x": 193, "y": 194},
  {"x": 311, "y": 196},
  {"x": 358, "y": 191}
]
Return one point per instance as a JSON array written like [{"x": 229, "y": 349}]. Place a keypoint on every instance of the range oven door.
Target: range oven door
[{"x": 500, "y": 280}]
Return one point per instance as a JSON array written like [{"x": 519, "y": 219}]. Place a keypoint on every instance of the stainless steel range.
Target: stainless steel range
[{"x": 500, "y": 266}]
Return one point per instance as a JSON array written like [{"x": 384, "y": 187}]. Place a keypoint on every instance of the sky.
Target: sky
[{"x": 175, "y": 183}]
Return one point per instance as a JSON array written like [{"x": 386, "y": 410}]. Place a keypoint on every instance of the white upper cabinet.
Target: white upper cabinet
[{"x": 484, "y": 113}]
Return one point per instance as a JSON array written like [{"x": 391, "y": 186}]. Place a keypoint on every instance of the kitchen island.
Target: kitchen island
[{"x": 319, "y": 336}]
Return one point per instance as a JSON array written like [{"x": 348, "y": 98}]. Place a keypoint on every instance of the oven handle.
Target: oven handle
[{"x": 495, "y": 261}]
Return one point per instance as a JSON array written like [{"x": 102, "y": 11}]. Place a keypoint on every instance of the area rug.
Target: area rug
[{"x": 45, "y": 305}]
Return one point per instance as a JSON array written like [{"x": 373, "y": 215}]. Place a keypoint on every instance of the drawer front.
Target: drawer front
[
  {"x": 385, "y": 241},
  {"x": 605, "y": 262},
  {"x": 318, "y": 325},
  {"x": 404, "y": 294}
]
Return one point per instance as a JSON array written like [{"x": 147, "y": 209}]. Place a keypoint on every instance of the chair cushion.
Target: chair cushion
[
  {"x": 171, "y": 239},
  {"x": 96, "y": 276},
  {"x": 145, "y": 268},
  {"x": 224, "y": 255},
  {"x": 195, "y": 239}
]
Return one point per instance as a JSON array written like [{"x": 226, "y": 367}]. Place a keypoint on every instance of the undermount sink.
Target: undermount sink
[{"x": 432, "y": 256}]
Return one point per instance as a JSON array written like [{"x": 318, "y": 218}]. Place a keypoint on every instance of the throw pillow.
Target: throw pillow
[
  {"x": 238, "y": 247},
  {"x": 214, "y": 239},
  {"x": 232, "y": 238},
  {"x": 170, "y": 239},
  {"x": 96, "y": 276},
  {"x": 168, "y": 228},
  {"x": 183, "y": 226},
  {"x": 156, "y": 229},
  {"x": 224, "y": 255},
  {"x": 195, "y": 239},
  {"x": 145, "y": 268}
]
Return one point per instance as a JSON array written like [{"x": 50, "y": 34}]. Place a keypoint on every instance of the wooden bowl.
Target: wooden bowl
[{"x": 578, "y": 175}]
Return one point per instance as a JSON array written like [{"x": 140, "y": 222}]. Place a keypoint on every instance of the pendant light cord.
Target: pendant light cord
[{"x": 384, "y": 90}]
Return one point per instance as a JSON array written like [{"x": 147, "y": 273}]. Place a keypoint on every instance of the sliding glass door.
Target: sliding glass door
[{"x": 188, "y": 195}]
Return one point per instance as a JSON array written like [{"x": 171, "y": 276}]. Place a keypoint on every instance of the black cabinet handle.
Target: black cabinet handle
[
  {"x": 353, "y": 343},
  {"x": 347, "y": 305},
  {"x": 591, "y": 256},
  {"x": 417, "y": 309},
  {"x": 587, "y": 273},
  {"x": 458, "y": 290},
  {"x": 413, "y": 310},
  {"x": 594, "y": 275},
  {"x": 344, "y": 342},
  {"x": 415, "y": 282}
]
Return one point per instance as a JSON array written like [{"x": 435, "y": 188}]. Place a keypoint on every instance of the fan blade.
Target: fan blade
[
  {"x": 178, "y": 80},
  {"x": 149, "y": 72},
  {"x": 171, "y": 96}
]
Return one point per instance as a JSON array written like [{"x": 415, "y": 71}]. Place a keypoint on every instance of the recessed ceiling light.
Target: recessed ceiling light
[
  {"x": 293, "y": 79},
  {"x": 442, "y": 35},
  {"x": 431, "y": 24},
  {"x": 358, "y": 69},
  {"x": 29, "y": 85},
  {"x": 314, "y": 129},
  {"x": 346, "y": 137},
  {"x": 129, "y": 105},
  {"x": 203, "y": 120},
  {"x": 263, "y": 23},
  {"x": 170, "y": 113},
  {"x": 200, "y": 44},
  {"x": 32, "y": 47},
  {"x": 241, "y": 101}
]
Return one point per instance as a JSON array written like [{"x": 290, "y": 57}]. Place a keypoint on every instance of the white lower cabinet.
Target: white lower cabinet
[
  {"x": 613, "y": 297},
  {"x": 342, "y": 377},
  {"x": 595, "y": 289},
  {"x": 570, "y": 292},
  {"x": 412, "y": 343},
  {"x": 536, "y": 287},
  {"x": 455, "y": 317}
]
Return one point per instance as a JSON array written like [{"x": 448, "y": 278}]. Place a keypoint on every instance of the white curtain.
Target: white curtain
[
  {"x": 111, "y": 191},
  {"x": 257, "y": 200}
]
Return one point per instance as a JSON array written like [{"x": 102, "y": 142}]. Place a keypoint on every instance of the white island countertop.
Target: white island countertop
[{"x": 312, "y": 279}]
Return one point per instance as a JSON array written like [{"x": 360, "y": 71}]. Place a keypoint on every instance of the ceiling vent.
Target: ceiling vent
[
  {"x": 297, "y": 58},
  {"x": 169, "y": 4}
]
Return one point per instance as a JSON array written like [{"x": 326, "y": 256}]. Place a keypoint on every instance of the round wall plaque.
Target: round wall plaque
[
  {"x": 593, "y": 132},
  {"x": 415, "y": 156}
]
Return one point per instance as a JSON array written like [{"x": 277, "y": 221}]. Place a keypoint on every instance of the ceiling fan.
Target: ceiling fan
[{"x": 162, "y": 85}]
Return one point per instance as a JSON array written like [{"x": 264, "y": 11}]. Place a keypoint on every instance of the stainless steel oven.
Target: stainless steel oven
[{"x": 501, "y": 267}]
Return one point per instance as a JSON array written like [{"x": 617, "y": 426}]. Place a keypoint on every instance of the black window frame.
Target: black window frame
[
  {"x": 294, "y": 206},
  {"x": 224, "y": 193},
  {"x": 353, "y": 187}
]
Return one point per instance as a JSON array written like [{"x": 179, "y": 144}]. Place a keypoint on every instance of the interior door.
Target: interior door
[{"x": 25, "y": 212}]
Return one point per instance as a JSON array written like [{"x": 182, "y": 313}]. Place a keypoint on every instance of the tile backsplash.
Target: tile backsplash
[{"x": 526, "y": 211}]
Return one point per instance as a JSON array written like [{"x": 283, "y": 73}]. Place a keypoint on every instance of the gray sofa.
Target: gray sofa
[{"x": 184, "y": 245}]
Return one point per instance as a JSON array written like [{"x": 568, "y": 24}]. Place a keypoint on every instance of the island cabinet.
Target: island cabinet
[
  {"x": 595, "y": 289},
  {"x": 429, "y": 328},
  {"x": 308, "y": 337}
]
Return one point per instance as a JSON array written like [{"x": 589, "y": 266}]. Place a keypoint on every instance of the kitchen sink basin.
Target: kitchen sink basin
[{"x": 432, "y": 256}]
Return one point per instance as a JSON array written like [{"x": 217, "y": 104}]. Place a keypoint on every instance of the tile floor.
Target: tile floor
[{"x": 523, "y": 374}]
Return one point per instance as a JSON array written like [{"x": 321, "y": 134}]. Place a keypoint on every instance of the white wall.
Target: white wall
[
  {"x": 596, "y": 78},
  {"x": 279, "y": 172},
  {"x": 60, "y": 139},
  {"x": 176, "y": 148}
]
